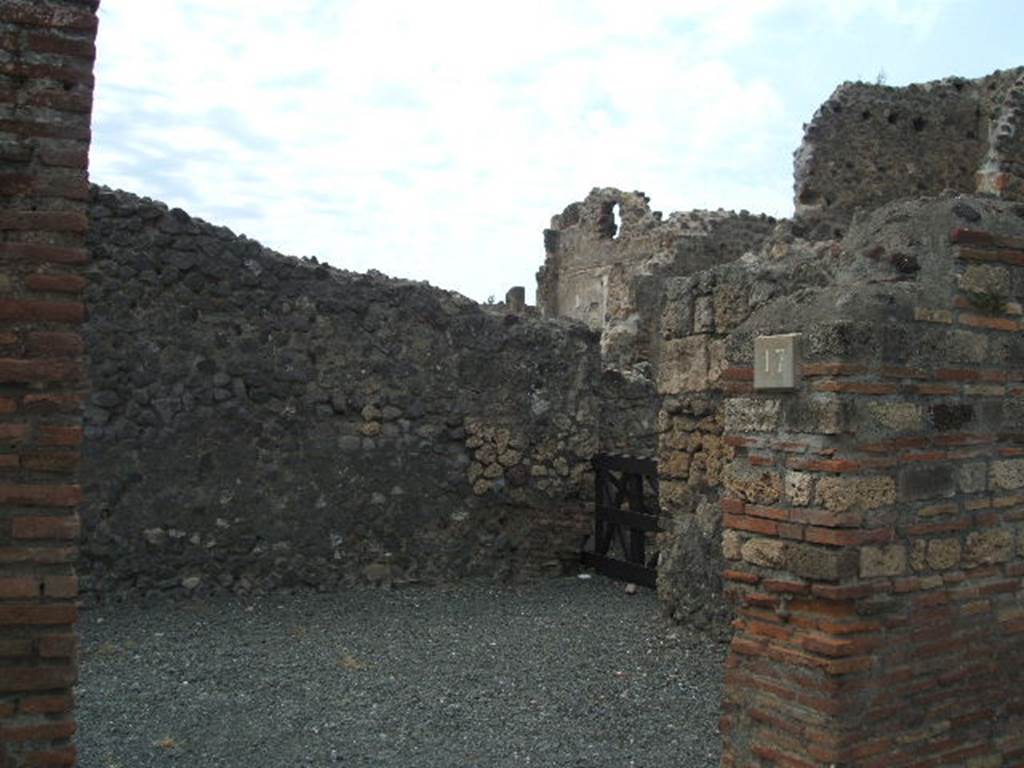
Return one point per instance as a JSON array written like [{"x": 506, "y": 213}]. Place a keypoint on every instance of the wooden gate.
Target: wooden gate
[{"x": 625, "y": 512}]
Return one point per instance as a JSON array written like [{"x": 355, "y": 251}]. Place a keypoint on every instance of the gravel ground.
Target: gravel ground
[{"x": 563, "y": 672}]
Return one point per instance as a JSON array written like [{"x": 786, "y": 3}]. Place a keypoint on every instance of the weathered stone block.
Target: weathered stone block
[
  {"x": 985, "y": 279},
  {"x": 855, "y": 494},
  {"x": 768, "y": 553},
  {"x": 927, "y": 482},
  {"x": 759, "y": 486},
  {"x": 717, "y": 361},
  {"x": 820, "y": 563},
  {"x": 943, "y": 553},
  {"x": 799, "y": 488},
  {"x": 674, "y": 464},
  {"x": 1007, "y": 475},
  {"x": 703, "y": 315},
  {"x": 684, "y": 366},
  {"x": 732, "y": 544},
  {"x": 966, "y": 347},
  {"x": 986, "y": 547},
  {"x": 750, "y": 414},
  {"x": 883, "y": 561},
  {"x": 892, "y": 416},
  {"x": 919, "y": 555},
  {"x": 676, "y": 497},
  {"x": 815, "y": 414},
  {"x": 971, "y": 478}
]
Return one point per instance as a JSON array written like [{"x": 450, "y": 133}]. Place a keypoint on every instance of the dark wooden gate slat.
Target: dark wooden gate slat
[
  {"x": 628, "y": 518},
  {"x": 622, "y": 512}
]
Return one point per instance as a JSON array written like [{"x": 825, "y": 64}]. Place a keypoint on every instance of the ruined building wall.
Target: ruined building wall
[
  {"x": 259, "y": 421},
  {"x": 862, "y": 533},
  {"x": 594, "y": 270},
  {"x": 873, "y": 515},
  {"x": 702, "y": 397},
  {"x": 1002, "y": 171},
  {"x": 46, "y": 58},
  {"x": 871, "y": 144}
]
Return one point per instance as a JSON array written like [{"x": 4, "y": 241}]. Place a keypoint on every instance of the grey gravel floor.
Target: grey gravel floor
[{"x": 564, "y": 672}]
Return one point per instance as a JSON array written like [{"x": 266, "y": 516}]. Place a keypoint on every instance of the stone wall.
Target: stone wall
[
  {"x": 259, "y": 421},
  {"x": 46, "y": 98},
  {"x": 871, "y": 144},
  {"x": 594, "y": 268},
  {"x": 702, "y": 396},
  {"x": 874, "y": 515}
]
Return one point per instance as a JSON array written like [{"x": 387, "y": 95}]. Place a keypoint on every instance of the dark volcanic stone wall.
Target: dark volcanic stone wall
[
  {"x": 260, "y": 421},
  {"x": 872, "y": 144}
]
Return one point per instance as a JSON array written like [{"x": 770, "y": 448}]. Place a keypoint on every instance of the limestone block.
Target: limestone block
[
  {"x": 509, "y": 458},
  {"x": 821, "y": 563},
  {"x": 979, "y": 278},
  {"x": 970, "y": 478},
  {"x": 675, "y": 464},
  {"x": 895, "y": 416},
  {"x": 731, "y": 306},
  {"x": 919, "y": 555},
  {"x": 1007, "y": 475},
  {"x": 845, "y": 494},
  {"x": 675, "y": 497},
  {"x": 751, "y": 414},
  {"x": 717, "y": 360},
  {"x": 684, "y": 366},
  {"x": 883, "y": 561},
  {"x": 985, "y": 547},
  {"x": 753, "y": 484},
  {"x": 799, "y": 487},
  {"x": 943, "y": 553},
  {"x": 732, "y": 543},
  {"x": 768, "y": 553},
  {"x": 703, "y": 315}
]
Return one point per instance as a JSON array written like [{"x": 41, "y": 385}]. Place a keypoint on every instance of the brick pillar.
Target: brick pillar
[
  {"x": 46, "y": 86},
  {"x": 875, "y": 533}
]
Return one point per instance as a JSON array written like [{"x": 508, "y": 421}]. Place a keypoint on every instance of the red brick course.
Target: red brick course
[
  {"x": 902, "y": 661},
  {"x": 49, "y": 47}
]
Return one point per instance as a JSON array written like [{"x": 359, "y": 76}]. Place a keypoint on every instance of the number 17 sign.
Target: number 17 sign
[{"x": 776, "y": 361}]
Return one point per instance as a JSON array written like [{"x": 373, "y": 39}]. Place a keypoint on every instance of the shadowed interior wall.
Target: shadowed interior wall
[{"x": 259, "y": 421}]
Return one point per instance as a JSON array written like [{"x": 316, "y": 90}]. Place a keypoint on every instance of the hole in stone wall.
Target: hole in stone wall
[
  {"x": 609, "y": 221},
  {"x": 919, "y": 123}
]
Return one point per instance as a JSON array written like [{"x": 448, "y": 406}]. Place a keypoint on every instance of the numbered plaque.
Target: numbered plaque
[{"x": 777, "y": 361}]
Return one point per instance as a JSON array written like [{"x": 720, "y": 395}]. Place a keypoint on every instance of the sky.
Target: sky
[{"x": 435, "y": 140}]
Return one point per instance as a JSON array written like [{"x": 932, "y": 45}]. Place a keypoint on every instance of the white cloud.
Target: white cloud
[{"x": 434, "y": 140}]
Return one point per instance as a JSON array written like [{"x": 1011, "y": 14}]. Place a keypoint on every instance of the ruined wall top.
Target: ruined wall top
[
  {"x": 870, "y": 144},
  {"x": 596, "y": 248}
]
